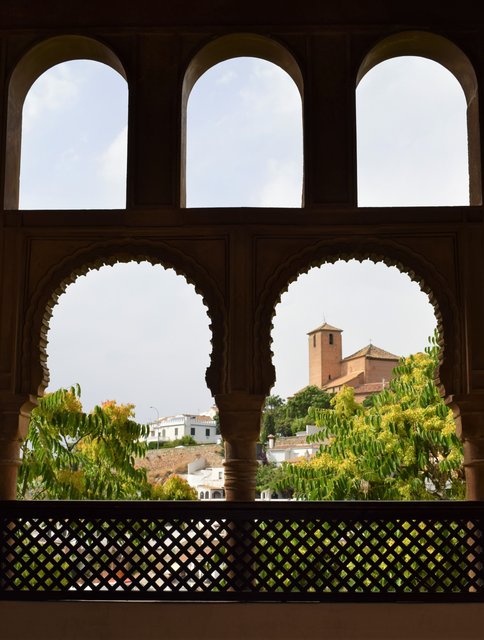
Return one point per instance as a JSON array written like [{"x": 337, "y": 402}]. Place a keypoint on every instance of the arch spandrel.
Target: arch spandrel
[
  {"x": 34, "y": 372},
  {"x": 443, "y": 296}
]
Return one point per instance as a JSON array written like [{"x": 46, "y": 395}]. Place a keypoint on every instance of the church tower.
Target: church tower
[{"x": 325, "y": 354}]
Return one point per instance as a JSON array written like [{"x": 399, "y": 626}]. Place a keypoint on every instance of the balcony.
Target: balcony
[{"x": 278, "y": 552}]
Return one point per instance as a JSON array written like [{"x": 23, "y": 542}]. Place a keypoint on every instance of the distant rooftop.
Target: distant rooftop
[
  {"x": 325, "y": 327},
  {"x": 339, "y": 382},
  {"x": 371, "y": 351}
]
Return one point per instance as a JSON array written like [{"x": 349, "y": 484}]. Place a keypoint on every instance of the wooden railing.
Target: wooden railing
[{"x": 290, "y": 551}]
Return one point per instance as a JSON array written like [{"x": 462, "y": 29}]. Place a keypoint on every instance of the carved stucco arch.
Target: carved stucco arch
[
  {"x": 38, "y": 59},
  {"x": 439, "y": 49},
  {"x": 224, "y": 48},
  {"x": 35, "y": 375},
  {"x": 392, "y": 254}
]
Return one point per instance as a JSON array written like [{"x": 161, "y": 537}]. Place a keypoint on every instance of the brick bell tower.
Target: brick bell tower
[{"x": 325, "y": 354}]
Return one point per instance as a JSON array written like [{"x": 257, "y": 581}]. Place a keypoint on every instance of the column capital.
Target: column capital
[
  {"x": 240, "y": 418},
  {"x": 240, "y": 415},
  {"x": 468, "y": 413},
  {"x": 14, "y": 422}
]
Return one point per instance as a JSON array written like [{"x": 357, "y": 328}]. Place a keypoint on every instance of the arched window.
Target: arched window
[
  {"x": 74, "y": 139},
  {"x": 125, "y": 332},
  {"x": 331, "y": 339},
  {"x": 87, "y": 172},
  {"x": 338, "y": 292},
  {"x": 417, "y": 124},
  {"x": 244, "y": 147}
]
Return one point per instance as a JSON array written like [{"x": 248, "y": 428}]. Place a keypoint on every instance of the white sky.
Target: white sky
[{"x": 137, "y": 333}]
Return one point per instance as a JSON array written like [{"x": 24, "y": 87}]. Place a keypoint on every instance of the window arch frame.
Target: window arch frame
[
  {"x": 41, "y": 57},
  {"x": 227, "y": 48},
  {"x": 441, "y": 50}
]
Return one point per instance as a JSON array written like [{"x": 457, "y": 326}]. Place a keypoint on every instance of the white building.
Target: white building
[
  {"x": 203, "y": 429},
  {"x": 207, "y": 481},
  {"x": 291, "y": 448}
]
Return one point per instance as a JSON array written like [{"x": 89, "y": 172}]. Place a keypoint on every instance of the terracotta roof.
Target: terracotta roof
[
  {"x": 292, "y": 442},
  {"x": 325, "y": 327},
  {"x": 370, "y": 387},
  {"x": 338, "y": 382},
  {"x": 371, "y": 351}
]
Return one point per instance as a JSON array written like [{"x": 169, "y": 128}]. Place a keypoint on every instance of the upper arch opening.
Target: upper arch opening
[
  {"x": 242, "y": 125},
  {"x": 40, "y": 59},
  {"x": 408, "y": 48}
]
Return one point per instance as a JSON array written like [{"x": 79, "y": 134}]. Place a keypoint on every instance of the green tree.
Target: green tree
[
  {"x": 273, "y": 417},
  {"x": 70, "y": 454},
  {"x": 270, "y": 476},
  {"x": 173, "y": 488},
  {"x": 402, "y": 447},
  {"x": 308, "y": 398}
]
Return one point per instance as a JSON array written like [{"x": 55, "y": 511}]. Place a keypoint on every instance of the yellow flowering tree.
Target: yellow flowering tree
[
  {"x": 402, "y": 447},
  {"x": 74, "y": 455},
  {"x": 173, "y": 488}
]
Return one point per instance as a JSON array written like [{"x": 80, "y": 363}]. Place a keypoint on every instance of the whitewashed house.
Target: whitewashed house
[
  {"x": 203, "y": 429},
  {"x": 208, "y": 482},
  {"x": 290, "y": 448}
]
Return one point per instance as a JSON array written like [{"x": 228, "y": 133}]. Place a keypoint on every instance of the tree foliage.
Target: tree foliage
[
  {"x": 401, "y": 447},
  {"x": 174, "y": 488},
  {"x": 70, "y": 454},
  {"x": 270, "y": 476},
  {"x": 286, "y": 419},
  {"x": 310, "y": 397}
]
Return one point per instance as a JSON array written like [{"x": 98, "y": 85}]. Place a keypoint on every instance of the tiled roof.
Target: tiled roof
[
  {"x": 325, "y": 327},
  {"x": 338, "y": 382},
  {"x": 370, "y": 387},
  {"x": 371, "y": 351},
  {"x": 292, "y": 442}
]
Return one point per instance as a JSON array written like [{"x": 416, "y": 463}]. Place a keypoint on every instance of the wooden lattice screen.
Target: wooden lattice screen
[{"x": 225, "y": 551}]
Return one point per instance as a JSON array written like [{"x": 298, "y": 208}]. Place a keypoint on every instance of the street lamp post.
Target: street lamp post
[{"x": 158, "y": 430}]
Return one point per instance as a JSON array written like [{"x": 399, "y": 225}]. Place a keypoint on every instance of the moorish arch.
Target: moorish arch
[
  {"x": 35, "y": 375},
  {"x": 31, "y": 66},
  {"x": 439, "y": 49},
  {"x": 441, "y": 296}
]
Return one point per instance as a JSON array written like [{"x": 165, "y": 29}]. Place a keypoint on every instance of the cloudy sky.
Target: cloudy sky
[{"x": 138, "y": 333}]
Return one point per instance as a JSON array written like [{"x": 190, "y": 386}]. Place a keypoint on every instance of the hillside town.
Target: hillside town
[{"x": 200, "y": 463}]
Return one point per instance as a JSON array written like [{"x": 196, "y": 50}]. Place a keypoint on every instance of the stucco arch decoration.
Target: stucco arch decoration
[
  {"x": 390, "y": 253},
  {"x": 35, "y": 375},
  {"x": 225, "y": 48},
  {"x": 33, "y": 64},
  {"x": 439, "y": 49}
]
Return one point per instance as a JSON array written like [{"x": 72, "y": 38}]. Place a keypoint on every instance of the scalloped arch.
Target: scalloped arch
[
  {"x": 393, "y": 255},
  {"x": 35, "y": 375}
]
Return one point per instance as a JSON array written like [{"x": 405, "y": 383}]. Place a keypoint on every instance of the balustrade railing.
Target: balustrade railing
[{"x": 289, "y": 551}]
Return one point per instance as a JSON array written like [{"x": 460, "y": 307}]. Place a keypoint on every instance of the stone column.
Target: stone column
[
  {"x": 469, "y": 418},
  {"x": 14, "y": 420},
  {"x": 240, "y": 419}
]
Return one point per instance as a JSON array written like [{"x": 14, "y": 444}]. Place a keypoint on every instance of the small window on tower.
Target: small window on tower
[
  {"x": 314, "y": 340},
  {"x": 331, "y": 339}
]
